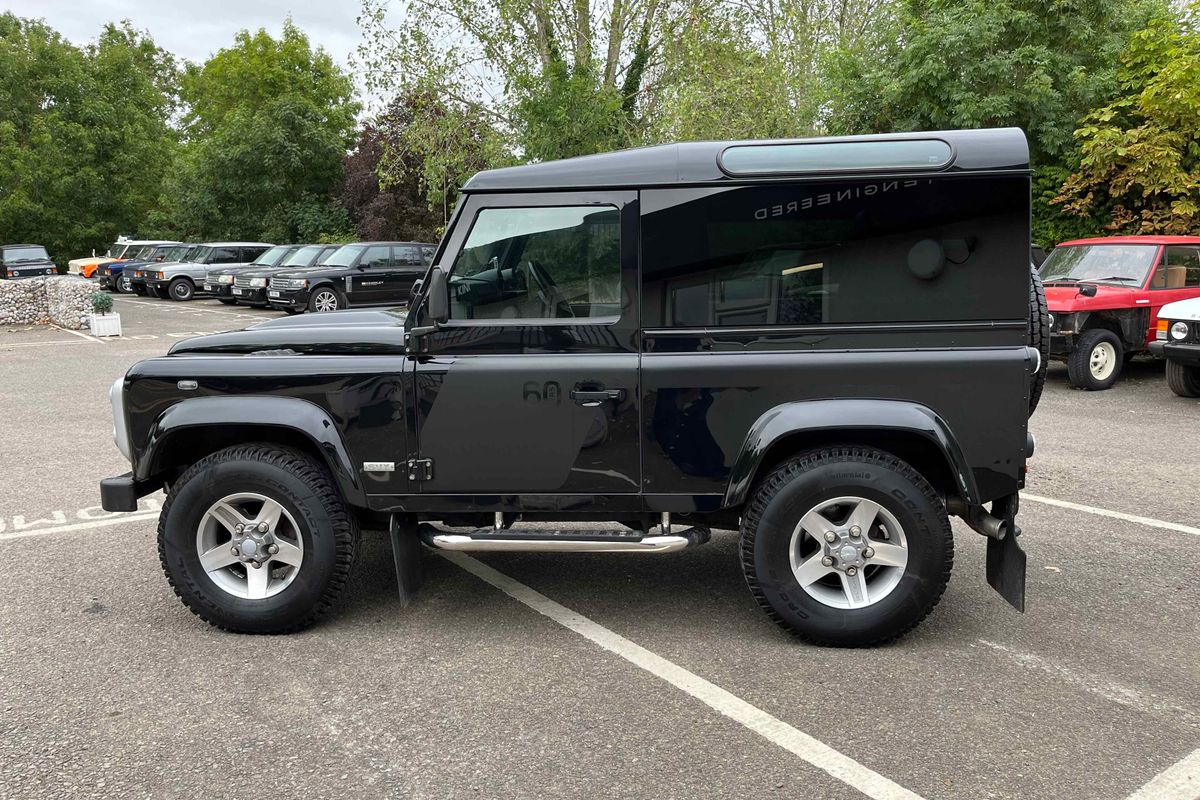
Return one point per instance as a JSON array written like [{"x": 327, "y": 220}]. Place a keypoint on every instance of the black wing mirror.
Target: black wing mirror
[
  {"x": 1088, "y": 289},
  {"x": 437, "y": 298}
]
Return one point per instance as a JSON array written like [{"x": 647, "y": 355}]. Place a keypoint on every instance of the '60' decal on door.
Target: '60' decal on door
[{"x": 549, "y": 391}]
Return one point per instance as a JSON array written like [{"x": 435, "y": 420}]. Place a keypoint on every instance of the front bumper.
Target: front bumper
[
  {"x": 287, "y": 298},
  {"x": 217, "y": 289},
  {"x": 251, "y": 296},
  {"x": 123, "y": 492},
  {"x": 1186, "y": 353}
]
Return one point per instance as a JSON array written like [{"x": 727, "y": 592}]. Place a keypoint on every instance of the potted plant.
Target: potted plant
[{"x": 103, "y": 321}]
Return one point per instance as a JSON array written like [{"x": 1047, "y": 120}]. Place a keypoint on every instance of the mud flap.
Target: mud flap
[
  {"x": 1005, "y": 558},
  {"x": 406, "y": 552},
  {"x": 1006, "y": 569}
]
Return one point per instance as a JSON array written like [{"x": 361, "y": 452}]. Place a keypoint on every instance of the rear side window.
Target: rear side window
[
  {"x": 539, "y": 263},
  {"x": 224, "y": 255},
  {"x": 407, "y": 255},
  {"x": 376, "y": 257},
  {"x": 1179, "y": 269},
  {"x": 835, "y": 252}
]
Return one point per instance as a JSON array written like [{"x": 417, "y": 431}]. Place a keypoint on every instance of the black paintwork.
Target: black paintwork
[
  {"x": 257, "y": 296},
  {"x": 936, "y": 369}
]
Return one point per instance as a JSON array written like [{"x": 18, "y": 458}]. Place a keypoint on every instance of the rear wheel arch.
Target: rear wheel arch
[{"x": 911, "y": 432}]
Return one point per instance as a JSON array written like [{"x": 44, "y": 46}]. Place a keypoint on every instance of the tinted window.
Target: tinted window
[
  {"x": 223, "y": 255},
  {"x": 377, "y": 256},
  {"x": 538, "y": 263},
  {"x": 344, "y": 256},
  {"x": 303, "y": 257},
  {"x": 269, "y": 257},
  {"x": 1179, "y": 269},
  {"x": 836, "y": 252},
  {"x": 408, "y": 255},
  {"x": 249, "y": 254}
]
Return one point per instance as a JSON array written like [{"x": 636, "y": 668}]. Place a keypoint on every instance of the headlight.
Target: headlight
[
  {"x": 225, "y": 279},
  {"x": 160, "y": 275},
  {"x": 258, "y": 283},
  {"x": 1179, "y": 330}
]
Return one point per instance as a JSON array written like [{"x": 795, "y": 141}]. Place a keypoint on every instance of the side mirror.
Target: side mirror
[
  {"x": 437, "y": 298},
  {"x": 1087, "y": 289}
]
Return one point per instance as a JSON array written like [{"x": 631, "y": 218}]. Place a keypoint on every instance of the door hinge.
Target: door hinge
[{"x": 420, "y": 469}]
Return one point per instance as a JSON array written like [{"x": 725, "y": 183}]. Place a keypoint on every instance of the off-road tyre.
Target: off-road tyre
[
  {"x": 779, "y": 501},
  {"x": 1183, "y": 380},
  {"x": 1039, "y": 336},
  {"x": 181, "y": 289},
  {"x": 306, "y": 489},
  {"x": 122, "y": 285},
  {"x": 1079, "y": 370}
]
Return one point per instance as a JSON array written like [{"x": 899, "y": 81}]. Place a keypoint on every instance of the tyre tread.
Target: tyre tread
[
  {"x": 793, "y": 468},
  {"x": 317, "y": 477}
]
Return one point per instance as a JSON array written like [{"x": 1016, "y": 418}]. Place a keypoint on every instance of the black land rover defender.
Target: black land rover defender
[{"x": 830, "y": 345}]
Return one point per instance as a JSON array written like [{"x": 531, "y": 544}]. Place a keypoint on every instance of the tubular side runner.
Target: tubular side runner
[{"x": 829, "y": 345}]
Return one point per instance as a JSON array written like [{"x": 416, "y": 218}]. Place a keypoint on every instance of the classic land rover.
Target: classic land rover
[
  {"x": 830, "y": 345},
  {"x": 1104, "y": 297},
  {"x": 1178, "y": 340}
]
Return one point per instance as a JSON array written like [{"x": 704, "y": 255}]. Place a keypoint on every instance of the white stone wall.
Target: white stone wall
[{"x": 62, "y": 300}]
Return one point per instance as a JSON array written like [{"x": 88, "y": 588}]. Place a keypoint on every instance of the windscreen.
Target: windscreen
[
  {"x": 1124, "y": 264},
  {"x": 345, "y": 256},
  {"x": 272, "y": 256},
  {"x": 303, "y": 257},
  {"x": 198, "y": 254},
  {"x": 12, "y": 255}
]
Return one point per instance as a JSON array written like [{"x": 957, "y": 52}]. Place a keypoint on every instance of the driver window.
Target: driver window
[{"x": 539, "y": 263}]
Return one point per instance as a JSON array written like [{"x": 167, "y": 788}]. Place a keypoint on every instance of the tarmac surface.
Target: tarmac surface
[{"x": 650, "y": 677}]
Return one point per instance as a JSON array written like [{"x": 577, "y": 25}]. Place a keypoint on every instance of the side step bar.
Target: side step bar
[{"x": 562, "y": 541}]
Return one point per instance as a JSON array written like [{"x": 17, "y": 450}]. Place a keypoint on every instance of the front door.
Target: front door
[
  {"x": 531, "y": 388},
  {"x": 367, "y": 280}
]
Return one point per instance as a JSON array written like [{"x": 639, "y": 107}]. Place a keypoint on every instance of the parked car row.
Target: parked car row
[{"x": 290, "y": 278}]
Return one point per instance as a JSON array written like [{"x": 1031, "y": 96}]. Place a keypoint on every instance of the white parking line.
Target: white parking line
[
  {"x": 1104, "y": 512},
  {"x": 775, "y": 730},
  {"x": 1178, "y": 782},
  {"x": 83, "y": 336},
  {"x": 115, "y": 519},
  {"x": 39, "y": 344}
]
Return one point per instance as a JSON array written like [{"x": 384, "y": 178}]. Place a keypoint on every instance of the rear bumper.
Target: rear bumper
[{"x": 123, "y": 492}]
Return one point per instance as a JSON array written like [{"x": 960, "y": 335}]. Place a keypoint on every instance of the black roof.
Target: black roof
[{"x": 984, "y": 150}]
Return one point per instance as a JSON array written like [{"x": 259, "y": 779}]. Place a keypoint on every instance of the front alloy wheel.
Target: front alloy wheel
[
  {"x": 249, "y": 545},
  {"x": 324, "y": 300}
]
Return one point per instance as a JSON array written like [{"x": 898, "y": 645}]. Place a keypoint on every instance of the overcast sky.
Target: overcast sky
[{"x": 195, "y": 29}]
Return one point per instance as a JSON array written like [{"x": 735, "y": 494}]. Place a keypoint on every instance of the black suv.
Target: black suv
[
  {"x": 219, "y": 282},
  {"x": 829, "y": 345},
  {"x": 359, "y": 274},
  {"x": 250, "y": 286},
  {"x": 25, "y": 261}
]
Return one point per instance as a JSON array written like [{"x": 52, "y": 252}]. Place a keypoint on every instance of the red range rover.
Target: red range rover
[{"x": 1104, "y": 296}]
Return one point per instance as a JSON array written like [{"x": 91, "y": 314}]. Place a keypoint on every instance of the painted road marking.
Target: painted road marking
[
  {"x": 1178, "y": 782},
  {"x": 1104, "y": 512},
  {"x": 40, "y": 344},
  {"x": 80, "y": 334},
  {"x": 20, "y": 526},
  {"x": 775, "y": 730}
]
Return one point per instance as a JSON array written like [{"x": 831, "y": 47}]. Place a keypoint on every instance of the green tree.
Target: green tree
[
  {"x": 84, "y": 134},
  {"x": 1037, "y": 64},
  {"x": 268, "y": 123},
  {"x": 1140, "y": 164}
]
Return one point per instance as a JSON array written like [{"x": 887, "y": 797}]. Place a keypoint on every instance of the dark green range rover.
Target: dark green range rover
[{"x": 830, "y": 346}]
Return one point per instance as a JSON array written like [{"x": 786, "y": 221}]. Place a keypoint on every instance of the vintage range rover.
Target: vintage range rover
[{"x": 830, "y": 345}]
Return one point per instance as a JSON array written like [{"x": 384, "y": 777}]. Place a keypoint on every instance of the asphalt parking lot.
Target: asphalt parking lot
[{"x": 595, "y": 675}]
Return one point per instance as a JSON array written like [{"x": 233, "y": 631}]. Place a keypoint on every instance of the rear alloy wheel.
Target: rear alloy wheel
[
  {"x": 324, "y": 299},
  {"x": 257, "y": 539},
  {"x": 1095, "y": 363},
  {"x": 181, "y": 289},
  {"x": 1183, "y": 380},
  {"x": 846, "y": 546}
]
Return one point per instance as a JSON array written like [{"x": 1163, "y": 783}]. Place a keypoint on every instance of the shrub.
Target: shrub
[{"x": 102, "y": 302}]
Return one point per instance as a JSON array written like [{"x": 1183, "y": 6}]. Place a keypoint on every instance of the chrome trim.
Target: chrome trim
[
  {"x": 116, "y": 396},
  {"x": 647, "y": 544}
]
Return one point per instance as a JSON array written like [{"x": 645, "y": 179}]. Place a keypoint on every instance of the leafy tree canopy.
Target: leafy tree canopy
[{"x": 1140, "y": 164}]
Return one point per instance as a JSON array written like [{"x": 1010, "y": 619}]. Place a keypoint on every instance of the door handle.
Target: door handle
[{"x": 591, "y": 398}]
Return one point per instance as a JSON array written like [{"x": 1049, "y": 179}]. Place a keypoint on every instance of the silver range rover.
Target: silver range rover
[{"x": 180, "y": 280}]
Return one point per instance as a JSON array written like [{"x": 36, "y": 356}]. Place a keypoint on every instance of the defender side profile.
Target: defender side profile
[{"x": 830, "y": 346}]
